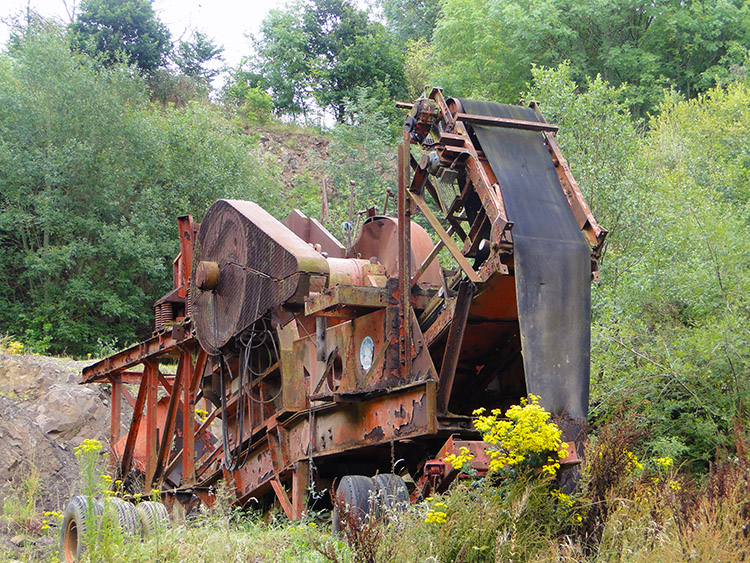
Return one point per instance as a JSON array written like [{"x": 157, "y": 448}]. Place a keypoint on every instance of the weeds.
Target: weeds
[
  {"x": 629, "y": 508},
  {"x": 20, "y": 508}
]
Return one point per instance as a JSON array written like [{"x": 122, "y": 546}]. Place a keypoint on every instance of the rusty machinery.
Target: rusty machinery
[{"x": 315, "y": 363}]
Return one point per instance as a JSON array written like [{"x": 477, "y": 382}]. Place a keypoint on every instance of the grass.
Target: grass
[{"x": 626, "y": 510}]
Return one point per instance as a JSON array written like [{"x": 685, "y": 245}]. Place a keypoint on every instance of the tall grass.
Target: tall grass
[{"x": 626, "y": 510}]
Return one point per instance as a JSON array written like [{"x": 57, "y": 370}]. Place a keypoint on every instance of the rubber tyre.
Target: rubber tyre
[
  {"x": 358, "y": 493},
  {"x": 74, "y": 527},
  {"x": 392, "y": 493},
  {"x": 153, "y": 517},
  {"x": 127, "y": 516}
]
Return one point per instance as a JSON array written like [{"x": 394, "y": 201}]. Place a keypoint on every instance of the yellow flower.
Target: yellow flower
[
  {"x": 458, "y": 461},
  {"x": 106, "y": 479},
  {"x": 87, "y": 446},
  {"x": 436, "y": 517},
  {"x": 674, "y": 485},
  {"x": 664, "y": 462},
  {"x": 525, "y": 431},
  {"x": 562, "y": 497},
  {"x": 633, "y": 462}
]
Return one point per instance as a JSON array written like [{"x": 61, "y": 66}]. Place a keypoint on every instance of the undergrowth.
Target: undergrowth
[{"x": 627, "y": 508}]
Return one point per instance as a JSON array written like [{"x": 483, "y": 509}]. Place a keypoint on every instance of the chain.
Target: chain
[{"x": 393, "y": 457}]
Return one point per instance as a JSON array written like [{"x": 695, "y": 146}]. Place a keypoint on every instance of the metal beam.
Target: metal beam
[
  {"x": 445, "y": 237},
  {"x": 453, "y": 345},
  {"x": 505, "y": 122}
]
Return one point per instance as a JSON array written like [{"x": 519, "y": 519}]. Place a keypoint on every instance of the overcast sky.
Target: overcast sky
[{"x": 225, "y": 21}]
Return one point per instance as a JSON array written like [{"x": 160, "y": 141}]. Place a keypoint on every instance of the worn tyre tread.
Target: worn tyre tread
[
  {"x": 127, "y": 516},
  {"x": 392, "y": 493},
  {"x": 75, "y": 518},
  {"x": 153, "y": 516},
  {"x": 358, "y": 493}
]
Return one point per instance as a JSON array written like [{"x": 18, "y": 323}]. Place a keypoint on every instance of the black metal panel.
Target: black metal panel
[{"x": 552, "y": 261}]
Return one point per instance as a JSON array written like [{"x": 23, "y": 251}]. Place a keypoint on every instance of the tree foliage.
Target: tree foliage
[
  {"x": 410, "y": 20},
  {"x": 122, "y": 31},
  {"x": 196, "y": 57},
  {"x": 320, "y": 52},
  {"x": 671, "y": 312},
  {"x": 92, "y": 181},
  {"x": 648, "y": 46}
]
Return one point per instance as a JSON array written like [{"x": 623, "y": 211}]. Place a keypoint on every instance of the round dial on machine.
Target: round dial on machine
[{"x": 366, "y": 353}]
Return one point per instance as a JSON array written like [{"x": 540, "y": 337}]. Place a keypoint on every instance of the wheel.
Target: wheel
[
  {"x": 357, "y": 493},
  {"x": 153, "y": 517},
  {"x": 76, "y": 521},
  {"x": 392, "y": 493},
  {"x": 127, "y": 516}
]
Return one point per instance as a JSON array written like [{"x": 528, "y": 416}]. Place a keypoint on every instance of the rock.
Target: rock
[
  {"x": 24, "y": 377},
  {"x": 26, "y": 447},
  {"x": 44, "y": 414},
  {"x": 67, "y": 412}
]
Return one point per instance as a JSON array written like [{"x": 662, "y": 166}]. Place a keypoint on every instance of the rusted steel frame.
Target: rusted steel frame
[
  {"x": 427, "y": 184},
  {"x": 161, "y": 344},
  {"x": 184, "y": 371},
  {"x": 595, "y": 234},
  {"x": 430, "y": 257},
  {"x": 165, "y": 382},
  {"x": 116, "y": 413},
  {"x": 200, "y": 367},
  {"x": 300, "y": 486},
  {"x": 471, "y": 244},
  {"x": 445, "y": 237},
  {"x": 131, "y": 377},
  {"x": 404, "y": 257},
  {"x": 346, "y": 296},
  {"x": 128, "y": 396},
  {"x": 488, "y": 192},
  {"x": 187, "y": 231},
  {"x": 151, "y": 382},
  {"x": 209, "y": 460},
  {"x": 188, "y": 437},
  {"x": 440, "y": 323},
  {"x": 278, "y": 488},
  {"x": 127, "y": 456},
  {"x": 453, "y": 345},
  {"x": 505, "y": 122},
  {"x": 187, "y": 476}
]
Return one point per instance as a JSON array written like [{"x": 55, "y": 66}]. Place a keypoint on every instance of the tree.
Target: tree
[
  {"x": 320, "y": 52},
  {"x": 647, "y": 46},
  {"x": 122, "y": 31},
  {"x": 410, "y": 20},
  {"x": 670, "y": 316},
  {"x": 93, "y": 177},
  {"x": 194, "y": 57}
]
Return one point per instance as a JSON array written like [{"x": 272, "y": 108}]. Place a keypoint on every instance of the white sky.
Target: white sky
[{"x": 225, "y": 21}]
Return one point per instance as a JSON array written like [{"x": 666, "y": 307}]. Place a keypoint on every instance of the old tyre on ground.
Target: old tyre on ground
[
  {"x": 357, "y": 494},
  {"x": 391, "y": 493},
  {"x": 127, "y": 516},
  {"x": 77, "y": 520},
  {"x": 153, "y": 517}
]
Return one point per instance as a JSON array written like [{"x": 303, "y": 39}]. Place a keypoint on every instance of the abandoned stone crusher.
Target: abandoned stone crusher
[{"x": 287, "y": 364}]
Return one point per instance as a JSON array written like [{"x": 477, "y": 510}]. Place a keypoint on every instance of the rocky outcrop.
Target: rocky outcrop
[{"x": 44, "y": 414}]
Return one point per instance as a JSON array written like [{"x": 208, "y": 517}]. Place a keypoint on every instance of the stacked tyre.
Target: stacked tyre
[
  {"x": 359, "y": 498},
  {"x": 143, "y": 520}
]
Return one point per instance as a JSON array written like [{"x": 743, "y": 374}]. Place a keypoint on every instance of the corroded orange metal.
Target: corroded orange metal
[{"x": 374, "y": 358}]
